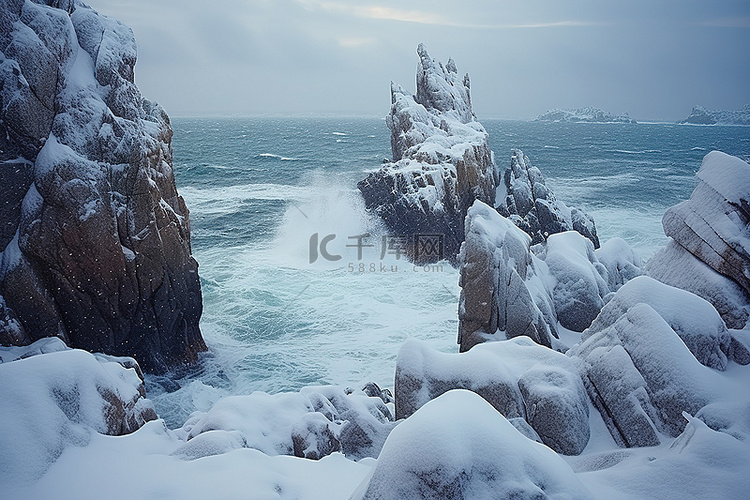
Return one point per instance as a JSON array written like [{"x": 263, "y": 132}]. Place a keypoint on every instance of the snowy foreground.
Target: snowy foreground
[{"x": 456, "y": 438}]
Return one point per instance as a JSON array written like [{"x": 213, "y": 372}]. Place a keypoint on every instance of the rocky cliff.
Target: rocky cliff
[
  {"x": 441, "y": 160},
  {"x": 702, "y": 116},
  {"x": 95, "y": 239}
]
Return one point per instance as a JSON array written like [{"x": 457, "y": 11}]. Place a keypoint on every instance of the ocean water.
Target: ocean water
[{"x": 261, "y": 191}]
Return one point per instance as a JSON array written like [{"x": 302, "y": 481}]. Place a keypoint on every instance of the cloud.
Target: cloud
[{"x": 383, "y": 13}]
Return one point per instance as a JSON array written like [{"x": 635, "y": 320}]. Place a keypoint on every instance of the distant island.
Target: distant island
[
  {"x": 701, "y": 116},
  {"x": 583, "y": 115}
]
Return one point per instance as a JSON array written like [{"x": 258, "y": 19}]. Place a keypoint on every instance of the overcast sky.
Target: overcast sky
[{"x": 653, "y": 59}]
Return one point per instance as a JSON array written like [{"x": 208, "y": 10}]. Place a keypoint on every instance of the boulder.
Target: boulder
[
  {"x": 641, "y": 376},
  {"x": 523, "y": 196},
  {"x": 693, "y": 319},
  {"x": 95, "y": 239},
  {"x": 312, "y": 423},
  {"x": 441, "y": 162},
  {"x": 580, "y": 279},
  {"x": 502, "y": 289},
  {"x": 519, "y": 378},
  {"x": 54, "y": 397},
  {"x": 677, "y": 267},
  {"x": 712, "y": 224},
  {"x": 620, "y": 261},
  {"x": 457, "y": 446}
]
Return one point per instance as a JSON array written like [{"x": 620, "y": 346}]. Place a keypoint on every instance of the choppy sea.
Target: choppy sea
[{"x": 259, "y": 189}]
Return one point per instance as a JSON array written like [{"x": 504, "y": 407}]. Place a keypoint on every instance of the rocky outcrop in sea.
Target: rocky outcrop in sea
[
  {"x": 441, "y": 161},
  {"x": 94, "y": 238},
  {"x": 702, "y": 116},
  {"x": 524, "y": 197},
  {"x": 583, "y": 115}
]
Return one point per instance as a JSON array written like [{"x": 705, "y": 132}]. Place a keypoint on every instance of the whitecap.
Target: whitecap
[{"x": 629, "y": 152}]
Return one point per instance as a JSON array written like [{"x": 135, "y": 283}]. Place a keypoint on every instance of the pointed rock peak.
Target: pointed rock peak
[
  {"x": 451, "y": 66},
  {"x": 440, "y": 89}
]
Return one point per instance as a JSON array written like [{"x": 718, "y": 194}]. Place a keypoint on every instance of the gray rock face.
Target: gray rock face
[
  {"x": 519, "y": 378},
  {"x": 500, "y": 285},
  {"x": 524, "y": 197},
  {"x": 95, "y": 239},
  {"x": 55, "y": 397},
  {"x": 641, "y": 376},
  {"x": 458, "y": 447},
  {"x": 441, "y": 160}
]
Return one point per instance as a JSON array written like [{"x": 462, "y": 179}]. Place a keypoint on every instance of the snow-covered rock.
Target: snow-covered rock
[
  {"x": 458, "y": 446},
  {"x": 312, "y": 423},
  {"x": 701, "y": 116},
  {"x": 585, "y": 115},
  {"x": 692, "y": 318},
  {"x": 523, "y": 196},
  {"x": 54, "y": 397},
  {"x": 502, "y": 284},
  {"x": 621, "y": 262},
  {"x": 712, "y": 226},
  {"x": 94, "y": 236},
  {"x": 518, "y": 377},
  {"x": 441, "y": 160},
  {"x": 640, "y": 375},
  {"x": 580, "y": 279},
  {"x": 677, "y": 267}
]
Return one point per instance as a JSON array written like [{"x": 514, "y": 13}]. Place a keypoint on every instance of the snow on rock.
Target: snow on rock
[
  {"x": 583, "y": 115},
  {"x": 312, "y": 423},
  {"x": 518, "y": 377},
  {"x": 580, "y": 279},
  {"x": 503, "y": 286},
  {"x": 523, "y": 196},
  {"x": 701, "y": 116},
  {"x": 621, "y": 262},
  {"x": 457, "y": 446},
  {"x": 694, "y": 319},
  {"x": 709, "y": 253},
  {"x": 142, "y": 465},
  {"x": 88, "y": 165},
  {"x": 712, "y": 224},
  {"x": 54, "y": 397},
  {"x": 700, "y": 463},
  {"x": 677, "y": 267},
  {"x": 441, "y": 160},
  {"x": 640, "y": 375}
]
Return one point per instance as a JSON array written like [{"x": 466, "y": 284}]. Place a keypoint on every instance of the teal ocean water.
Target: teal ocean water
[{"x": 259, "y": 188}]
